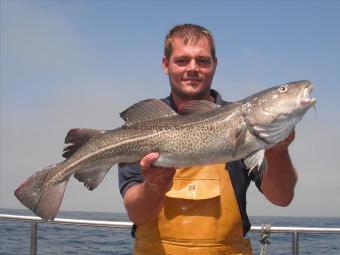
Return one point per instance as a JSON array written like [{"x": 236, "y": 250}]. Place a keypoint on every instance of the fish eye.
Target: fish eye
[{"x": 283, "y": 88}]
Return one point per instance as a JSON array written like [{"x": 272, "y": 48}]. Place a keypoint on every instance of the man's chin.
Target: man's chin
[
  {"x": 191, "y": 90},
  {"x": 195, "y": 93}
]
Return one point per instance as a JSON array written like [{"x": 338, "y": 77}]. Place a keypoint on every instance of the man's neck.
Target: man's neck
[{"x": 180, "y": 100}]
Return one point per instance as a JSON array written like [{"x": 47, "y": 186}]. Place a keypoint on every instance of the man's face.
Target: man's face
[{"x": 191, "y": 68}]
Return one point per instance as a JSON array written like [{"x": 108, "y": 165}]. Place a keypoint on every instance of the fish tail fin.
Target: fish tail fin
[{"x": 41, "y": 198}]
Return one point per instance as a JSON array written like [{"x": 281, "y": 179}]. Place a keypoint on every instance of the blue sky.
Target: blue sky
[{"x": 67, "y": 64}]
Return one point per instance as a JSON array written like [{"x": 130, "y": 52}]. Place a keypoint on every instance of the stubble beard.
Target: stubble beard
[{"x": 190, "y": 95}]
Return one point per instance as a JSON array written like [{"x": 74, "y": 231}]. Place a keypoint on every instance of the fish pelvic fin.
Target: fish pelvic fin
[
  {"x": 93, "y": 176},
  {"x": 77, "y": 137},
  {"x": 38, "y": 196},
  {"x": 254, "y": 160}
]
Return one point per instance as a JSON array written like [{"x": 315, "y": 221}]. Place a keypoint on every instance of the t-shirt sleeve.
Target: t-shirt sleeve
[{"x": 129, "y": 175}]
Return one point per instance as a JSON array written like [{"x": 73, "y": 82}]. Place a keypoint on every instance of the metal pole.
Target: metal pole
[
  {"x": 94, "y": 223},
  {"x": 34, "y": 226},
  {"x": 295, "y": 243}
]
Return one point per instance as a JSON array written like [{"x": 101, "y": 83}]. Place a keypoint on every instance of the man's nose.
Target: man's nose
[{"x": 192, "y": 66}]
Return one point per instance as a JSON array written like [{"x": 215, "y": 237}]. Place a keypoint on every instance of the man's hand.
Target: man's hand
[
  {"x": 159, "y": 179},
  {"x": 145, "y": 200},
  {"x": 283, "y": 146}
]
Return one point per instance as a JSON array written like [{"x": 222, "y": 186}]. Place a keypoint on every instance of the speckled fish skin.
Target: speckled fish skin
[{"x": 213, "y": 135}]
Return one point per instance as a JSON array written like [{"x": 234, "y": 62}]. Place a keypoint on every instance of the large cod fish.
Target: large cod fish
[{"x": 204, "y": 133}]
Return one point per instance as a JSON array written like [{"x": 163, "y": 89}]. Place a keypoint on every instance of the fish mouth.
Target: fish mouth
[{"x": 306, "y": 100}]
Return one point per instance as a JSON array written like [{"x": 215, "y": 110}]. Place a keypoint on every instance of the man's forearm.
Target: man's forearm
[
  {"x": 143, "y": 203},
  {"x": 279, "y": 181}
]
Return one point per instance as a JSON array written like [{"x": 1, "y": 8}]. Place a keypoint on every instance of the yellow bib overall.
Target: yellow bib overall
[{"x": 200, "y": 217}]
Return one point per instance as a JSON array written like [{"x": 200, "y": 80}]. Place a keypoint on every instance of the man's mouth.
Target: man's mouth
[{"x": 193, "y": 80}]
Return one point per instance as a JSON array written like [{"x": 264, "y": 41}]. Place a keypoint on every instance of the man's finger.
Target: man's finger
[{"x": 147, "y": 161}]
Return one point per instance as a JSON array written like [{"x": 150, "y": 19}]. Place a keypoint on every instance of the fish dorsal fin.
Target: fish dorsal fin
[
  {"x": 146, "y": 110},
  {"x": 77, "y": 137},
  {"x": 196, "y": 106}
]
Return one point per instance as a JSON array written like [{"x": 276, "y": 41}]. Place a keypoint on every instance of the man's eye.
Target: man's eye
[
  {"x": 181, "y": 61},
  {"x": 204, "y": 61}
]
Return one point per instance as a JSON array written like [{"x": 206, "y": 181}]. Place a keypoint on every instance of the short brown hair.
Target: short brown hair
[{"x": 188, "y": 33}]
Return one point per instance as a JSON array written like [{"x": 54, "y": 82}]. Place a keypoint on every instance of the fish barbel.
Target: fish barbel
[{"x": 204, "y": 133}]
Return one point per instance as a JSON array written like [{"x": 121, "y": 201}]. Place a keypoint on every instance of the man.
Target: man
[{"x": 213, "y": 221}]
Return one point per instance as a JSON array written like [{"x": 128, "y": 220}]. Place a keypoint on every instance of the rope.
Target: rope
[{"x": 265, "y": 238}]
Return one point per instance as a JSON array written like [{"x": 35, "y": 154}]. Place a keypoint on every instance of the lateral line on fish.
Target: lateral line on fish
[{"x": 73, "y": 164}]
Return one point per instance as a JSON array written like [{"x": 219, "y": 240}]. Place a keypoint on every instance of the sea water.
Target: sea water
[{"x": 70, "y": 239}]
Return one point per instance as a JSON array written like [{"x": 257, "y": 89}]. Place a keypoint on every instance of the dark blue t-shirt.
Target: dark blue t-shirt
[{"x": 130, "y": 175}]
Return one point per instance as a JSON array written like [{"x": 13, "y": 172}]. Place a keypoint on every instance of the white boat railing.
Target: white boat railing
[{"x": 295, "y": 231}]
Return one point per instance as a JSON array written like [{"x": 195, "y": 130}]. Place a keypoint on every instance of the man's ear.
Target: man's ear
[
  {"x": 215, "y": 60},
  {"x": 165, "y": 65}
]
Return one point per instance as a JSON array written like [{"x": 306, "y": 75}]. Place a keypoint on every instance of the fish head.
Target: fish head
[{"x": 277, "y": 110}]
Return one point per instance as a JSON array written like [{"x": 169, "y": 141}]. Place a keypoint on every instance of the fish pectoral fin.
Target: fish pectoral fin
[
  {"x": 196, "y": 106},
  {"x": 44, "y": 200},
  {"x": 92, "y": 176},
  {"x": 254, "y": 160},
  {"x": 146, "y": 110},
  {"x": 270, "y": 133},
  {"x": 274, "y": 132},
  {"x": 240, "y": 138},
  {"x": 252, "y": 128},
  {"x": 77, "y": 137}
]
